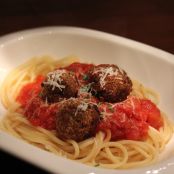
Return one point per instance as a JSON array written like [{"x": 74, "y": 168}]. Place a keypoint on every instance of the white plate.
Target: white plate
[{"x": 151, "y": 66}]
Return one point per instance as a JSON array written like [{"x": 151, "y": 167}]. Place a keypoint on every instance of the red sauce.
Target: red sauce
[
  {"x": 152, "y": 113},
  {"x": 30, "y": 90},
  {"x": 41, "y": 114},
  {"x": 80, "y": 69},
  {"x": 126, "y": 120},
  {"x": 130, "y": 119}
]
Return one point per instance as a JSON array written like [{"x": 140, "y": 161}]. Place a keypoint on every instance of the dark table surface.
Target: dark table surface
[{"x": 150, "y": 22}]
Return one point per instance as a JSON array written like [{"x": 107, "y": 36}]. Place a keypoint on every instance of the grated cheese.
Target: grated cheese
[
  {"x": 123, "y": 118},
  {"x": 85, "y": 88},
  {"x": 107, "y": 71},
  {"x": 54, "y": 79},
  {"x": 133, "y": 105},
  {"x": 83, "y": 106}
]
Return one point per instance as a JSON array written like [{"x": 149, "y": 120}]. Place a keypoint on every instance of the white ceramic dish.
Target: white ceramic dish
[{"x": 153, "y": 67}]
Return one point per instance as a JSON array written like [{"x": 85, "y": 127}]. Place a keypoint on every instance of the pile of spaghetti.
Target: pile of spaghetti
[{"x": 102, "y": 149}]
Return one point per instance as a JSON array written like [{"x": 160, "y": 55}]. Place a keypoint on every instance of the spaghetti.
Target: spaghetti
[{"x": 96, "y": 151}]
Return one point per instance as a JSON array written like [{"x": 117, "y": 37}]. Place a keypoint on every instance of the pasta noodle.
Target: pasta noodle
[{"x": 95, "y": 151}]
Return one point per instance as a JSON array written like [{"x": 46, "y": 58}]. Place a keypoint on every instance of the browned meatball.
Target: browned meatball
[
  {"x": 76, "y": 119},
  {"x": 110, "y": 83},
  {"x": 59, "y": 84}
]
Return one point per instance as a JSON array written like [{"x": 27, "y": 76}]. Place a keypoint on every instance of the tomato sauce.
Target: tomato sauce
[
  {"x": 30, "y": 90},
  {"x": 41, "y": 114},
  {"x": 129, "y": 119},
  {"x": 80, "y": 69}
]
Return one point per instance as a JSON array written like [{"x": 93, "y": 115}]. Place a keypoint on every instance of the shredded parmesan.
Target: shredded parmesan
[
  {"x": 106, "y": 71},
  {"x": 46, "y": 101},
  {"x": 82, "y": 106},
  {"x": 133, "y": 105},
  {"x": 123, "y": 118},
  {"x": 54, "y": 79}
]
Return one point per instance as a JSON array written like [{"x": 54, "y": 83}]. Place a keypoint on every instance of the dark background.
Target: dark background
[{"x": 147, "y": 21}]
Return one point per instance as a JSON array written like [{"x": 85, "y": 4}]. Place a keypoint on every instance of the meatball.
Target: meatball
[
  {"x": 110, "y": 83},
  {"x": 76, "y": 119},
  {"x": 59, "y": 84}
]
